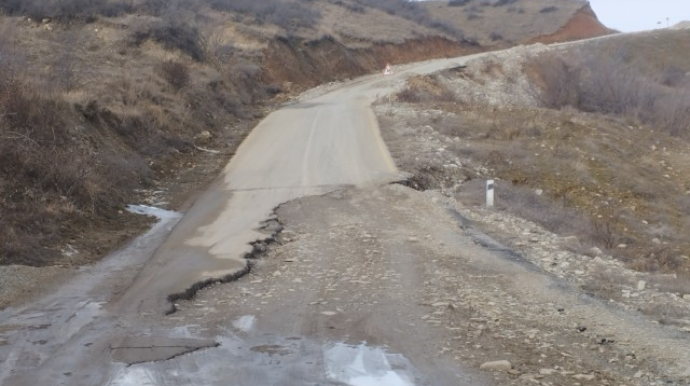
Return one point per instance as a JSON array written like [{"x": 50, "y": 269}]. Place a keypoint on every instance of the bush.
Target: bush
[
  {"x": 504, "y": 2},
  {"x": 289, "y": 15},
  {"x": 174, "y": 35},
  {"x": 175, "y": 73},
  {"x": 473, "y": 16},
  {"x": 495, "y": 36},
  {"x": 559, "y": 80},
  {"x": 458, "y": 3},
  {"x": 549, "y": 9},
  {"x": 608, "y": 84},
  {"x": 66, "y": 10},
  {"x": 514, "y": 9},
  {"x": 414, "y": 12}
]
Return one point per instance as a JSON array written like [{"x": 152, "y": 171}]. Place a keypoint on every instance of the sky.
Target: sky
[{"x": 640, "y": 15}]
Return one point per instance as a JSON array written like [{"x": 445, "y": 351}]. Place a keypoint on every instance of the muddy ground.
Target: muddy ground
[{"x": 412, "y": 271}]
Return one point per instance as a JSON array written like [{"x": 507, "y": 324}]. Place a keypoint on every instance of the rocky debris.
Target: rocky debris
[{"x": 19, "y": 283}]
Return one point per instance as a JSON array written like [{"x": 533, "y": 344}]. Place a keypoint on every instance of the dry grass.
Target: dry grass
[
  {"x": 515, "y": 21},
  {"x": 89, "y": 117},
  {"x": 600, "y": 176}
]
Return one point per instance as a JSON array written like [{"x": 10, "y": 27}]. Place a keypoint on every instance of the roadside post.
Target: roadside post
[{"x": 490, "y": 193}]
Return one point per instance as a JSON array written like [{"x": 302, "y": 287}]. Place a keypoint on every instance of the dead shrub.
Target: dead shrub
[
  {"x": 558, "y": 79},
  {"x": 290, "y": 15},
  {"x": 425, "y": 89},
  {"x": 175, "y": 73},
  {"x": 173, "y": 35},
  {"x": 611, "y": 84}
]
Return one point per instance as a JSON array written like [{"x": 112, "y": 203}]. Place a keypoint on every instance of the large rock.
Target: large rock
[{"x": 502, "y": 365}]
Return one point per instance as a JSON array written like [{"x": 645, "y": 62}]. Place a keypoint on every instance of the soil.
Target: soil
[
  {"x": 372, "y": 265},
  {"x": 584, "y": 24}
]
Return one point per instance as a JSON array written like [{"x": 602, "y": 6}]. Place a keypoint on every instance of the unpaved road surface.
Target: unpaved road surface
[
  {"x": 110, "y": 313},
  {"x": 368, "y": 284}
]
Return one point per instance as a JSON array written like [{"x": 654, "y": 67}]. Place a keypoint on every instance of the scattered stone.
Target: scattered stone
[
  {"x": 571, "y": 240},
  {"x": 584, "y": 377},
  {"x": 641, "y": 285},
  {"x": 547, "y": 371},
  {"x": 329, "y": 313},
  {"x": 502, "y": 365}
]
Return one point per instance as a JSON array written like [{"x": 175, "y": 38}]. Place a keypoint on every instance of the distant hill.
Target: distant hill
[
  {"x": 519, "y": 21},
  {"x": 682, "y": 25}
]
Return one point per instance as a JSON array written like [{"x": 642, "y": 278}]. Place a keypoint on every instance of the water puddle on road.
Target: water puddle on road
[
  {"x": 365, "y": 366},
  {"x": 266, "y": 359}
]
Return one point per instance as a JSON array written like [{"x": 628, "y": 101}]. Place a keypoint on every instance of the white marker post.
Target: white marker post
[{"x": 490, "y": 193}]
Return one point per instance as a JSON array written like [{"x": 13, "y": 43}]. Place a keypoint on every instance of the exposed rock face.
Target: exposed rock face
[
  {"x": 584, "y": 24},
  {"x": 306, "y": 64}
]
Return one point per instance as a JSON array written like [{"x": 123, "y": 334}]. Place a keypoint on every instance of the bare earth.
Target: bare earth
[{"x": 368, "y": 283}]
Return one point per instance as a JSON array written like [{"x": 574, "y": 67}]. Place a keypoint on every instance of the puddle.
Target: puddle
[
  {"x": 365, "y": 366},
  {"x": 266, "y": 359},
  {"x": 135, "y": 377}
]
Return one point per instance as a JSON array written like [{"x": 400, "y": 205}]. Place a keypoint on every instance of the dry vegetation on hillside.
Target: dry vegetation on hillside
[{"x": 590, "y": 144}]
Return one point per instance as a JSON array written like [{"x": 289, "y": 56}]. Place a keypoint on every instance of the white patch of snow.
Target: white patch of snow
[{"x": 146, "y": 210}]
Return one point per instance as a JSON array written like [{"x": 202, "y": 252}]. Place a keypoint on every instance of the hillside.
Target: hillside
[
  {"x": 108, "y": 103},
  {"x": 589, "y": 141},
  {"x": 514, "y": 22}
]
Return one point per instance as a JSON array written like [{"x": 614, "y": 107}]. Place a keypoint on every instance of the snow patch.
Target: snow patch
[{"x": 158, "y": 213}]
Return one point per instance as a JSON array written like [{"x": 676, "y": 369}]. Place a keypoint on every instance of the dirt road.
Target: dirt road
[
  {"x": 368, "y": 284},
  {"x": 78, "y": 334}
]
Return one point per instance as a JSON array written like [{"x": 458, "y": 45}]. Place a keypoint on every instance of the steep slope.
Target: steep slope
[{"x": 582, "y": 25}]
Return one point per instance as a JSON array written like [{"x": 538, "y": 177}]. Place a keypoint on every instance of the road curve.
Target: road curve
[
  {"x": 306, "y": 148},
  {"x": 75, "y": 335}
]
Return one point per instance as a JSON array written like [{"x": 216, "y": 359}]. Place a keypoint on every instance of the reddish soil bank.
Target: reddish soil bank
[{"x": 583, "y": 25}]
